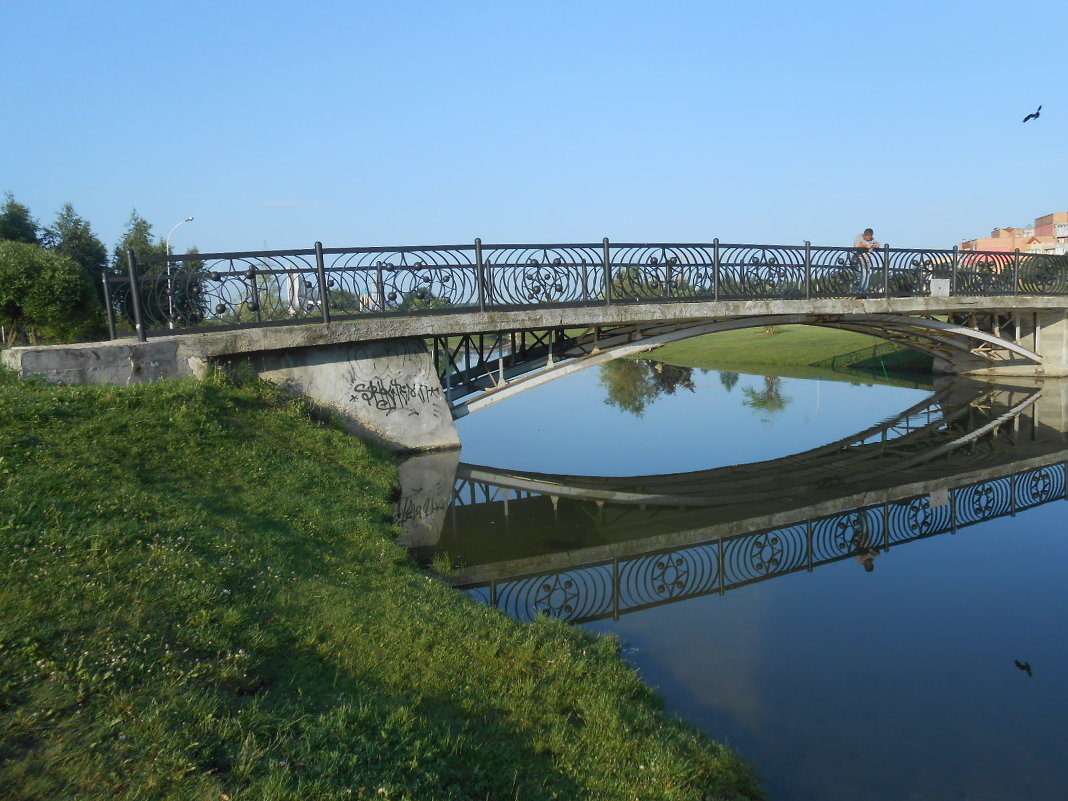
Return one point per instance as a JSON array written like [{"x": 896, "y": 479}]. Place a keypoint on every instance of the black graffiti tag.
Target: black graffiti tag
[{"x": 394, "y": 396}]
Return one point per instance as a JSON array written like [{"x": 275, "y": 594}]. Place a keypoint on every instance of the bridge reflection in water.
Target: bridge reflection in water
[{"x": 584, "y": 548}]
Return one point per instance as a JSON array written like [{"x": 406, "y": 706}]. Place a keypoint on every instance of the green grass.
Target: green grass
[
  {"x": 791, "y": 349},
  {"x": 200, "y": 598}
]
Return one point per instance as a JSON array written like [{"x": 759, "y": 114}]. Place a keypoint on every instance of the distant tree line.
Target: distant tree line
[{"x": 50, "y": 276}]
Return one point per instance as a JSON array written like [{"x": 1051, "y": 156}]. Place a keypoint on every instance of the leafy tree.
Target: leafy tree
[
  {"x": 71, "y": 236},
  {"x": 42, "y": 293},
  {"x": 184, "y": 282},
  {"x": 16, "y": 224},
  {"x": 138, "y": 238},
  {"x": 422, "y": 299}
]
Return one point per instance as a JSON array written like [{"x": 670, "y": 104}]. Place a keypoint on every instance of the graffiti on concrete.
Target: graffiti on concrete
[
  {"x": 395, "y": 377},
  {"x": 395, "y": 396}
]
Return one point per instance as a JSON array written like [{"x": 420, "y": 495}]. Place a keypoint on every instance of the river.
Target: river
[{"x": 858, "y": 586}]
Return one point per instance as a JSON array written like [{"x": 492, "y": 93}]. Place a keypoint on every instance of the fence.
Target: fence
[{"x": 192, "y": 292}]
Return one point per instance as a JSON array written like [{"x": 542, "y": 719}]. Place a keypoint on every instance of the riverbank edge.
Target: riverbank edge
[{"x": 202, "y": 599}]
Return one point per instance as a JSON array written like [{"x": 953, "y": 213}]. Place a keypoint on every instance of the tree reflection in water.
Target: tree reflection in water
[
  {"x": 634, "y": 384},
  {"x": 770, "y": 399}
]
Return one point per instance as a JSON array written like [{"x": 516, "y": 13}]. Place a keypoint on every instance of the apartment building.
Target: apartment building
[{"x": 1048, "y": 235}]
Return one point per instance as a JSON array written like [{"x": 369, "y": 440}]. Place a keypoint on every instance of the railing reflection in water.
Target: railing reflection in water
[{"x": 614, "y": 587}]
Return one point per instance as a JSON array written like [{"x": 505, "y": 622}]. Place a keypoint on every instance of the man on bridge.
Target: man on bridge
[{"x": 864, "y": 244}]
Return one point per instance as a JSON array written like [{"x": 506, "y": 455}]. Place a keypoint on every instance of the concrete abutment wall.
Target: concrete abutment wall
[
  {"x": 1044, "y": 332},
  {"x": 385, "y": 391}
]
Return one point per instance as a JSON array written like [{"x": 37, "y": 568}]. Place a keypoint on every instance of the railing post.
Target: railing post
[
  {"x": 606, "y": 260},
  {"x": 886, "y": 271},
  {"x": 256, "y": 307},
  {"x": 1016, "y": 273},
  {"x": 715, "y": 268},
  {"x": 380, "y": 287},
  {"x": 585, "y": 283},
  {"x": 135, "y": 291},
  {"x": 324, "y": 290},
  {"x": 808, "y": 270},
  {"x": 107, "y": 303},
  {"x": 953, "y": 274},
  {"x": 480, "y": 269}
]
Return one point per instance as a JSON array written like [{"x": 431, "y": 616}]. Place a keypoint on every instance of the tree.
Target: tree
[
  {"x": 42, "y": 293},
  {"x": 138, "y": 238},
  {"x": 72, "y": 237},
  {"x": 166, "y": 295},
  {"x": 16, "y": 224}
]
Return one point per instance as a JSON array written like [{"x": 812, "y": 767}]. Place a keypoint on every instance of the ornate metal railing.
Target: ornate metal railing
[
  {"x": 191, "y": 292},
  {"x": 609, "y": 588}
]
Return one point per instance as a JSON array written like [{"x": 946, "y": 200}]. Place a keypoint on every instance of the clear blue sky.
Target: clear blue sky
[{"x": 360, "y": 123}]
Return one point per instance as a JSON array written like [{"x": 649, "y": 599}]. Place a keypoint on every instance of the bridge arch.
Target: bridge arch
[{"x": 488, "y": 381}]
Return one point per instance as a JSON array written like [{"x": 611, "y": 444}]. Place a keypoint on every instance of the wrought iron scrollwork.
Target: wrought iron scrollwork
[{"x": 177, "y": 293}]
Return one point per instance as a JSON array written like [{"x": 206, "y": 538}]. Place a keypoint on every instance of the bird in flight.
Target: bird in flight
[
  {"x": 1024, "y": 666},
  {"x": 1033, "y": 115}
]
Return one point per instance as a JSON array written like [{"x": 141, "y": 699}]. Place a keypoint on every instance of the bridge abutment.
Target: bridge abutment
[
  {"x": 1045, "y": 332},
  {"x": 385, "y": 391}
]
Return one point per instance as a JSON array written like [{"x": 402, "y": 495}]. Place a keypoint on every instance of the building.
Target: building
[{"x": 1048, "y": 235}]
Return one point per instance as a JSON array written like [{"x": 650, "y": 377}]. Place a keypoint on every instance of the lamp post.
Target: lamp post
[{"x": 170, "y": 281}]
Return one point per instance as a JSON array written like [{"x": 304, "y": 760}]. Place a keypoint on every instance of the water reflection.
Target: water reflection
[
  {"x": 588, "y": 547},
  {"x": 944, "y": 658},
  {"x": 633, "y": 384}
]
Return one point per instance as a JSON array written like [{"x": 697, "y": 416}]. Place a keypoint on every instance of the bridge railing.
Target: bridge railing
[{"x": 197, "y": 292}]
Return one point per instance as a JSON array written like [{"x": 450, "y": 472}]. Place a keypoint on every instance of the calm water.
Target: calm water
[{"x": 850, "y": 655}]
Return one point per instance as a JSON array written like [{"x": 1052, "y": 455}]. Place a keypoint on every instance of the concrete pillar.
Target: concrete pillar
[
  {"x": 1045, "y": 332},
  {"x": 386, "y": 391}
]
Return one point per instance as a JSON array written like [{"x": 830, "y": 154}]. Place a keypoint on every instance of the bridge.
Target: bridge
[
  {"x": 402, "y": 340},
  {"x": 587, "y": 547}
]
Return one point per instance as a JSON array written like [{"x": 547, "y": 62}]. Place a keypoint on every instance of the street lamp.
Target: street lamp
[{"x": 170, "y": 281}]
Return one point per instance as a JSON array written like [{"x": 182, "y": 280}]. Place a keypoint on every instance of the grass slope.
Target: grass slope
[
  {"x": 200, "y": 599},
  {"x": 787, "y": 346}
]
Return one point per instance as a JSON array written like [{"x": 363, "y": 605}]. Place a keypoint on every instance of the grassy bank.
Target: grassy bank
[
  {"x": 200, "y": 599},
  {"x": 791, "y": 349}
]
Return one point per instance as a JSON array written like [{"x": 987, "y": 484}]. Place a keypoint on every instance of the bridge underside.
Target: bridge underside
[{"x": 478, "y": 370}]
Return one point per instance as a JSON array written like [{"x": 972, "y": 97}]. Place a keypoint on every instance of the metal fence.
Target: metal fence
[{"x": 195, "y": 292}]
